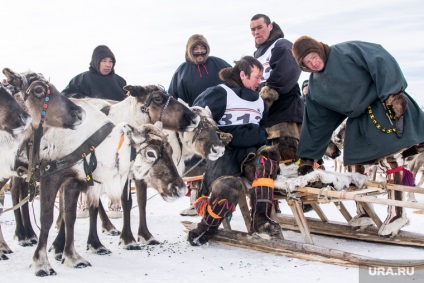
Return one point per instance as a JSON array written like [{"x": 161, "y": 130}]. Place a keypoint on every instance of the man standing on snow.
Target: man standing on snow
[
  {"x": 198, "y": 72},
  {"x": 279, "y": 87}
]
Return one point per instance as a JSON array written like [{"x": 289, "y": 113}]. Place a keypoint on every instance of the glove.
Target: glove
[
  {"x": 397, "y": 103},
  {"x": 306, "y": 166},
  {"x": 269, "y": 95},
  {"x": 225, "y": 137}
]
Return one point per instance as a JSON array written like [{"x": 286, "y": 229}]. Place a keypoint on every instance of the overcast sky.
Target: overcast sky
[{"x": 57, "y": 38}]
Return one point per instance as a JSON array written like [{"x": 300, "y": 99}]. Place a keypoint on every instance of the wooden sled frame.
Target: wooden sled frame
[{"x": 323, "y": 226}]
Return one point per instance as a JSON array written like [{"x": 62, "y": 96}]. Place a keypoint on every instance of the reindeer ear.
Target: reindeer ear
[
  {"x": 208, "y": 110},
  {"x": 131, "y": 90},
  {"x": 159, "y": 125},
  {"x": 13, "y": 78}
]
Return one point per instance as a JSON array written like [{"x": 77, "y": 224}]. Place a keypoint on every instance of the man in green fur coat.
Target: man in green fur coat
[{"x": 362, "y": 82}]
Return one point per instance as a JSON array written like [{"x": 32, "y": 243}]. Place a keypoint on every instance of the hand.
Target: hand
[
  {"x": 397, "y": 103},
  {"x": 306, "y": 166},
  {"x": 269, "y": 95},
  {"x": 225, "y": 137}
]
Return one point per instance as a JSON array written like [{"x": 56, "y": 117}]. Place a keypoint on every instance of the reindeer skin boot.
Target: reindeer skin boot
[{"x": 221, "y": 204}]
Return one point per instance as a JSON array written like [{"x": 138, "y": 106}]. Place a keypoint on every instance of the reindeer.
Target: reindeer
[
  {"x": 202, "y": 140},
  {"x": 108, "y": 146},
  {"x": 13, "y": 123}
]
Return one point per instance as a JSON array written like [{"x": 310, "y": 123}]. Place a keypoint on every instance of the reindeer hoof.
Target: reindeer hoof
[
  {"x": 112, "y": 232},
  {"x": 3, "y": 257},
  {"x": 103, "y": 251},
  {"x": 44, "y": 273},
  {"x": 82, "y": 265}
]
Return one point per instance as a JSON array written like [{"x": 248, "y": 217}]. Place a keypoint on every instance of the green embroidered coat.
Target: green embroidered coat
[{"x": 357, "y": 75}]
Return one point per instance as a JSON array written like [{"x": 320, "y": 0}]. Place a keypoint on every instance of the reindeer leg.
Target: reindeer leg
[
  {"x": 144, "y": 235},
  {"x": 50, "y": 186},
  {"x": 127, "y": 238},
  {"x": 93, "y": 242},
  {"x": 71, "y": 190},
  {"x": 107, "y": 227},
  {"x": 30, "y": 236},
  {"x": 4, "y": 248},
  {"x": 17, "y": 190},
  {"x": 59, "y": 242},
  {"x": 396, "y": 217}
]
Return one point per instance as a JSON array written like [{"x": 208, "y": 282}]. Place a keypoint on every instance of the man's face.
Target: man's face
[
  {"x": 313, "y": 62},
  {"x": 106, "y": 66},
  {"x": 254, "y": 80},
  {"x": 199, "y": 52},
  {"x": 260, "y": 30}
]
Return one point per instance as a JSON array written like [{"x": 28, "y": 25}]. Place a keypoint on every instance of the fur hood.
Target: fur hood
[
  {"x": 305, "y": 45},
  {"x": 275, "y": 34},
  {"x": 231, "y": 77},
  {"x": 192, "y": 42},
  {"x": 99, "y": 53}
]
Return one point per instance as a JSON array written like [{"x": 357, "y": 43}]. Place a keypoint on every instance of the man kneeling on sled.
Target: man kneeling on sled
[{"x": 238, "y": 110}]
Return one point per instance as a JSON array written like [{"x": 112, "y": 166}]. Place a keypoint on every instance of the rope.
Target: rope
[
  {"x": 323, "y": 195},
  {"x": 21, "y": 203},
  {"x": 195, "y": 165}
]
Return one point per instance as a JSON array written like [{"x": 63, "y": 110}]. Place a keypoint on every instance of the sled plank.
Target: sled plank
[
  {"x": 302, "y": 250},
  {"x": 339, "y": 229},
  {"x": 362, "y": 198}
]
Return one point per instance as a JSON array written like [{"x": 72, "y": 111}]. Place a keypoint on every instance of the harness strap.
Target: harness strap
[
  {"x": 267, "y": 182},
  {"x": 49, "y": 167}
]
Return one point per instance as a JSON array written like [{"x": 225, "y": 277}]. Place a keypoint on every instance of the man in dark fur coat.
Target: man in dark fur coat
[
  {"x": 238, "y": 110},
  {"x": 279, "y": 87},
  {"x": 100, "y": 81},
  {"x": 196, "y": 74}
]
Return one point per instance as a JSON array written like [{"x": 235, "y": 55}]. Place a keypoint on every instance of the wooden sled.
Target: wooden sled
[
  {"x": 366, "y": 196},
  {"x": 323, "y": 226}
]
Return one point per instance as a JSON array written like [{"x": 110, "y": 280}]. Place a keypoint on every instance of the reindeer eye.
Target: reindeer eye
[
  {"x": 158, "y": 99},
  {"x": 151, "y": 154},
  {"x": 38, "y": 91}
]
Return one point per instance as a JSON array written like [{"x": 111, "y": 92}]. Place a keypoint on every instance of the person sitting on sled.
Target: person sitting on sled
[
  {"x": 362, "y": 82},
  {"x": 239, "y": 110}
]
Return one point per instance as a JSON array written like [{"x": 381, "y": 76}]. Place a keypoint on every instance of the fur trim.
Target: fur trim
[
  {"x": 361, "y": 222},
  {"x": 269, "y": 95},
  {"x": 191, "y": 43},
  {"x": 392, "y": 229}
]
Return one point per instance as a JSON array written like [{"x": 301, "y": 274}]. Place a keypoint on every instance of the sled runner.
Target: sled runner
[{"x": 297, "y": 192}]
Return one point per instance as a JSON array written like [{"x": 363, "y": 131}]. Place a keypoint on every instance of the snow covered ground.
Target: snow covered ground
[{"x": 176, "y": 261}]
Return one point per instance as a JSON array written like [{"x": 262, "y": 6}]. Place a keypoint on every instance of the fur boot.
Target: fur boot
[
  {"x": 223, "y": 200},
  {"x": 362, "y": 220}
]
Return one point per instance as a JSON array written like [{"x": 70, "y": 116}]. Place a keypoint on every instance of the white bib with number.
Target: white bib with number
[{"x": 240, "y": 111}]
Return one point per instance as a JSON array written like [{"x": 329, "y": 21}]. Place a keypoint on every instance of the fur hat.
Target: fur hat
[
  {"x": 305, "y": 45},
  {"x": 191, "y": 43},
  {"x": 99, "y": 53}
]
